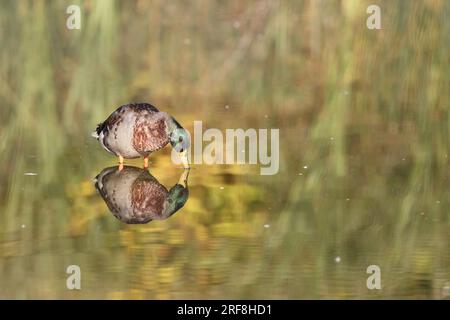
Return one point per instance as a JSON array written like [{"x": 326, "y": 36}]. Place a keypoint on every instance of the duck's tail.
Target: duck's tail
[{"x": 98, "y": 130}]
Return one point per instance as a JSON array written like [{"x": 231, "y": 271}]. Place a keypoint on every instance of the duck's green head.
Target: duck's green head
[
  {"x": 179, "y": 137},
  {"x": 178, "y": 196}
]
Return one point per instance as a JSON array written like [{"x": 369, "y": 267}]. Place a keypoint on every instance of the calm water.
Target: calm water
[
  {"x": 364, "y": 143},
  {"x": 234, "y": 238}
]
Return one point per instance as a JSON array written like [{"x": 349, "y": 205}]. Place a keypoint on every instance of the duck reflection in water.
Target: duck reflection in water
[{"x": 134, "y": 196}]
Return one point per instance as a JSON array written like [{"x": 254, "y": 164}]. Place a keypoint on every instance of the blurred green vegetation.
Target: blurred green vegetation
[{"x": 364, "y": 127}]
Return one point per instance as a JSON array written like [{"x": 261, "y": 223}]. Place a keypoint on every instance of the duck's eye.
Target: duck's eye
[{"x": 180, "y": 139}]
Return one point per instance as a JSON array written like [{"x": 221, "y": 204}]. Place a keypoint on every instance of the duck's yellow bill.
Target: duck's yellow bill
[{"x": 184, "y": 159}]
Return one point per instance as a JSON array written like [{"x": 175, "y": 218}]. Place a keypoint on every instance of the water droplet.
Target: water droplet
[
  {"x": 305, "y": 167},
  {"x": 337, "y": 259},
  {"x": 221, "y": 188},
  {"x": 267, "y": 226},
  {"x": 23, "y": 226},
  {"x": 227, "y": 107},
  {"x": 30, "y": 174}
]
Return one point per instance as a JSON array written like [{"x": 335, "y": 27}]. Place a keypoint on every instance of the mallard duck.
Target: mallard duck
[
  {"x": 138, "y": 129},
  {"x": 134, "y": 196}
]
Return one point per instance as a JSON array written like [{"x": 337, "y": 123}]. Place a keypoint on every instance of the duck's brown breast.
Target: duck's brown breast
[
  {"x": 150, "y": 133},
  {"x": 148, "y": 198}
]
